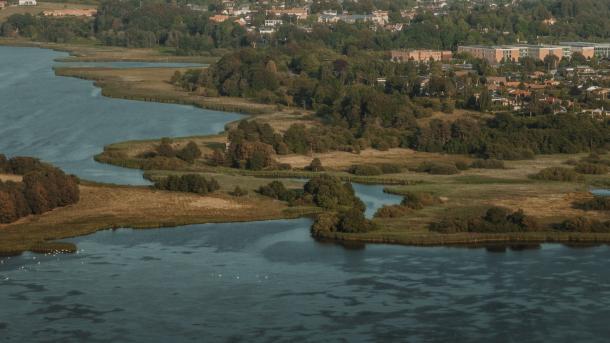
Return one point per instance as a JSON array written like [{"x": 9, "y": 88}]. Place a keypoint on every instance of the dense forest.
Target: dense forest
[
  {"x": 43, "y": 188},
  {"x": 150, "y": 23}
]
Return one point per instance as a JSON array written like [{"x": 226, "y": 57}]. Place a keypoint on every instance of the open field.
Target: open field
[
  {"x": 42, "y": 6},
  {"x": 471, "y": 191},
  {"x": 152, "y": 84},
  {"x": 104, "y": 207},
  {"x": 93, "y": 52}
]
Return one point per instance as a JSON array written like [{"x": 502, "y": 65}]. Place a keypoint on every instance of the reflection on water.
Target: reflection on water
[{"x": 269, "y": 281}]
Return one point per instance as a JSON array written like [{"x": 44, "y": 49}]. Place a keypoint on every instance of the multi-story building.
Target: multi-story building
[
  {"x": 493, "y": 54},
  {"x": 299, "y": 13},
  {"x": 599, "y": 50},
  {"x": 273, "y": 22},
  {"x": 498, "y": 54},
  {"x": 420, "y": 55},
  {"x": 27, "y": 3},
  {"x": 378, "y": 17}
]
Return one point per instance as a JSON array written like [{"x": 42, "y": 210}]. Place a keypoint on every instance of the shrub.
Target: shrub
[
  {"x": 165, "y": 149},
  {"x": 392, "y": 211},
  {"x": 353, "y": 221},
  {"x": 330, "y": 193},
  {"x": 557, "y": 174},
  {"x": 239, "y": 192},
  {"x": 591, "y": 168},
  {"x": 487, "y": 164},
  {"x": 315, "y": 165},
  {"x": 596, "y": 204},
  {"x": 190, "y": 183},
  {"x": 365, "y": 170},
  {"x": 437, "y": 168},
  {"x": 43, "y": 188},
  {"x": 495, "y": 220},
  {"x": 461, "y": 165},
  {"x": 189, "y": 153},
  {"x": 390, "y": 168},
  {"x": 583, "y": 224},
  {"x": 418, "y": 201},
  {"x": 277, "y": 190}
]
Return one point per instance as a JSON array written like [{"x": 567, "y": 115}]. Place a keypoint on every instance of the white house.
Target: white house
[{"x": 27, "y": 3}]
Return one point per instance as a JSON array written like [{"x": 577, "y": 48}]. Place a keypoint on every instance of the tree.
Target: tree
[{"x": 189, "y": 153}]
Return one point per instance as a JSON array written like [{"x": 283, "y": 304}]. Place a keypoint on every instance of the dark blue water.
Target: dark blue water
[
  {"x": 263, "y": 281},
  {"x": 66, "y": 121}
]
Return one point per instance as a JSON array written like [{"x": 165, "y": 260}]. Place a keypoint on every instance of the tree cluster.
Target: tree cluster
[
  {"x": 43, "y": 188},
  {"x": 188, "y": 183},
  {"x": 495, "y": 220}
]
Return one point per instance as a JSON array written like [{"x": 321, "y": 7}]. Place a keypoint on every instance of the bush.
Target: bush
[
  {"x": 583, "y": 224},
  {"x": 277, "y": 190},
  {"x": 43, "y": 188},
  {"x": 591, "y": 168},
  {"x": 557, "y": 174},
  {"x": 392, "y": 211},
  {"x": 315, "y": 165},
  {"x": 495, "y": 220},
  {"x": 189, "y": 183},
  {"x": 437, "y": 168},
  {"x": 596, "y": 204},
  {"x": 365, "y": 170},
  {"x": 239, "y": 192},
  {"x": 165, "y": 149},
  {"x": 461, "y": 165},
  {"x": 189, "y": 153},
  {"x": 349, "y": 221},
  {"x": 487, "y": 164},
  {"x": 390, "y": 168},
  {"x": 330, "y": 193},
  {"x": 417, "y": 201}
]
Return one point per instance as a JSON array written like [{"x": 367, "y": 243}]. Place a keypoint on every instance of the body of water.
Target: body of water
[
  {"x": 66, "y": 121},
  {"x": 260, "y": 281}
]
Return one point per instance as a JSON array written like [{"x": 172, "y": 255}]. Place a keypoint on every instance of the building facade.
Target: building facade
[{"x": 420, "y": 55}]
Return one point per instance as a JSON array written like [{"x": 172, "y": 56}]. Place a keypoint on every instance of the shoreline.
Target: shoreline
[{"x": 114, "y": 87}]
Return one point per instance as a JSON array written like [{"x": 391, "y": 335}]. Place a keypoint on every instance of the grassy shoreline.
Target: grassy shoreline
[{"x": 509, "y": 187}]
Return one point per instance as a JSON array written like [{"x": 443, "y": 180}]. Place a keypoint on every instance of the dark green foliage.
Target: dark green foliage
[
  {"x": 557, "y": 174},
  {"x": 165, "y": 149},
  {"x": 418, "y": 200},
  {"x": 596, "y": 204},
  {"x": 583, "y": 224},
  {"x": 461, "y": 165},
  {"x": 43, "y": 188},
  {"x": 495, "y": 220},
  {"x": 315, "y": 165},
  {"x": 277, "y": 190},
  {"x": 392, "y": 211},
  {"x": 591, "y": 168},
  {"x": 239, "y": 192},
  {"x": 189, "y": 153},
  {"x": 437, "y": 168},
  {"x": 487, "y": 164},
  {"x": 348, "y": 221},
  {"x": 365, "y": 170},
  {"x": 389, "y": 168},
  {"x": 330, "y": 193},
  {"x": 188, "y": 183},
  {"x": 353, "y": 221},
  {"x": 20, "y": 165}
]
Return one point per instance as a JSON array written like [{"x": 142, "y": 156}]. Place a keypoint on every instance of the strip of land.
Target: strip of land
[{"x": 104, "y": 206}]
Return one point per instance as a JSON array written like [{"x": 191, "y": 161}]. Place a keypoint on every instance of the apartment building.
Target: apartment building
[
  {"x": 420, "y": 55},
  {"x": 498, "y": 54},
  {"x": 599, "y": 50}
]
